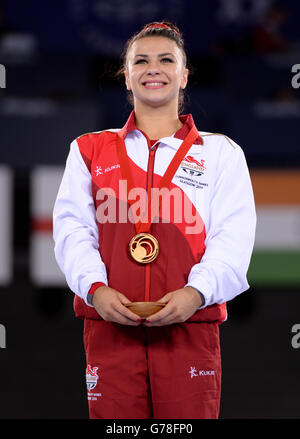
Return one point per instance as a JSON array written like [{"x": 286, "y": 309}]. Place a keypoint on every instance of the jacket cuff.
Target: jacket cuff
[
  {"x": 93, "y": 288},
  {"x": 201, "y": 295}
]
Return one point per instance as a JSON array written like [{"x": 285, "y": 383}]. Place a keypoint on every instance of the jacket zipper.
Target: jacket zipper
[{"x": 152, "y": 150}]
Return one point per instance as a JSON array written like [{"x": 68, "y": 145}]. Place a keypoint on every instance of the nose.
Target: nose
[{"x": 153, "y": 68}]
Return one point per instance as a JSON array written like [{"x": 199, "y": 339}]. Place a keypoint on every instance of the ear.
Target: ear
[
  {"x": 127, "y": 82},
  {"x": 184, "y": 78}
]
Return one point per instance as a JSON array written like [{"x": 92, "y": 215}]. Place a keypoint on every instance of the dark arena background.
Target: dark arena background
[{"x": 58, "y": 60}]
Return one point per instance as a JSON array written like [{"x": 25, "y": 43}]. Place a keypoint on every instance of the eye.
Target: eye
[
  {"x": 140, "y": 61},
  {"x": 166, "y": 60}
]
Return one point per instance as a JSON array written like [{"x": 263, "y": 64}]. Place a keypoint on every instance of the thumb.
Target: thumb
[
  {"x": 123, "y": 299},
  {"x": 166, "y": 298}
]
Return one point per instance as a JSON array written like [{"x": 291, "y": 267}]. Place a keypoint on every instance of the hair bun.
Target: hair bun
[{"x": 163, "y": 24}]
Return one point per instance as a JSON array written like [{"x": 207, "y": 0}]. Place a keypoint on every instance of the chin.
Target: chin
[{"x": 155, "y": 103}]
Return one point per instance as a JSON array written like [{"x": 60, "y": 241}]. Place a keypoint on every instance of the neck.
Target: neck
[{"x": 157, "y": 122}]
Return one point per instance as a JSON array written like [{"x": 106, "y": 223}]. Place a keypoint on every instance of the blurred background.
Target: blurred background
[{"x": 57, "y": 83}]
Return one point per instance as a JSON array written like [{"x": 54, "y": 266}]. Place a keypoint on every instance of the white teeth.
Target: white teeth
[{"x": 152, "y": 84}]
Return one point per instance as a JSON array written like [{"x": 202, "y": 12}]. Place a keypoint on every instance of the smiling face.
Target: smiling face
[{"x": 155, "y": 71}]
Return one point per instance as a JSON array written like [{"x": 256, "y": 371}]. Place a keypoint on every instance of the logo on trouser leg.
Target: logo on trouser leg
[
  {"x": 91, "y": 377},
  {"x": 198, "y": 373}
]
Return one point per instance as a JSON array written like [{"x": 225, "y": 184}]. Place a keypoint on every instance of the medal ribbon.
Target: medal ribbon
[{"x": 144, "y": 226}]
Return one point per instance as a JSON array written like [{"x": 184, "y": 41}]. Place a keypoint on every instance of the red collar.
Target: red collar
[{"x": 186, "y": 119}]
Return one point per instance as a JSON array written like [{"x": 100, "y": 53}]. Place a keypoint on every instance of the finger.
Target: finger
[
  {"x": 123, "y": 320},
  {"x": 163, "y": 322},
  {"x": 168, "y": 320},
  {"x": 124, "y": 311},
  {"x": 166, "y": 298},
  {"x": 169, "y": 308},
  {"x": 165, "y": 314},
  {"x": 119, "y": 305},
  {"x": 123, "y": 299}
]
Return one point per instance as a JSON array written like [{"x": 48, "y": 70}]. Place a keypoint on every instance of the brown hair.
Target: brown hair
[{"x": 160, "y": 29}]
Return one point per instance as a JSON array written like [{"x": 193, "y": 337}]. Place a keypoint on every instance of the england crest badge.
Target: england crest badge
[{"x": 91, "y": 377}]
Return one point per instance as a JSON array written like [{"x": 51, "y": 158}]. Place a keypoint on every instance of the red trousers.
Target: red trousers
[{"x": 161, "y": 372}]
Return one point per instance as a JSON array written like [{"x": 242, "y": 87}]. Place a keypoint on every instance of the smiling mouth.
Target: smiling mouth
[{"x": 154, "y": 84}]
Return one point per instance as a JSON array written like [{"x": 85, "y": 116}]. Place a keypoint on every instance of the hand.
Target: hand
[
  {"x": 109, "y": 305},
  {"x": 180, "y": 305}
]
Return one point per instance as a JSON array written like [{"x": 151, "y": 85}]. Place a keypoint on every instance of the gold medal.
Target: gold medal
[{"x": 144, "y": 248}]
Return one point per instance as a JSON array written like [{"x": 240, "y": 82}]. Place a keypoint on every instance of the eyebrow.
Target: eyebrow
[{"x": 161, "y": 54}]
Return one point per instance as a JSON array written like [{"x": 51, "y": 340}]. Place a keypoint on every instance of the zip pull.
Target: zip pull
[{"x": 153, "y": 146}]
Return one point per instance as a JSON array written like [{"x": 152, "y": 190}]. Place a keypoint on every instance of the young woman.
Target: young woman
[{"x": 155, "y": 211}]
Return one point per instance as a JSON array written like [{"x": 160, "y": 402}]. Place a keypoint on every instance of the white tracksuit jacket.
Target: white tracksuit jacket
[{"x": 212, "y": 256}]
